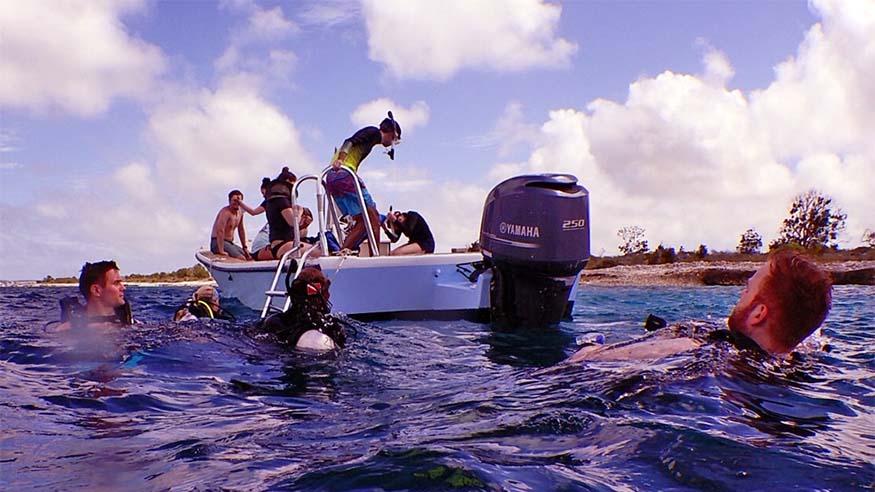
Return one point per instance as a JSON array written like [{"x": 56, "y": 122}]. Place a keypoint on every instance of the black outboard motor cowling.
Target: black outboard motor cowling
[{"x": 535, "y": 234}]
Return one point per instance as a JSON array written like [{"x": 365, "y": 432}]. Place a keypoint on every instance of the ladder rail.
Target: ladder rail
[{"x": 375, "y": 249}]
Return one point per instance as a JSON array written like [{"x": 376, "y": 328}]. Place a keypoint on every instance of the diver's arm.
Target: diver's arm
[
  {"x": 341, "y": 157},
  {"x": 646, "y": 349},
  {"x": 289, "y": 215}
]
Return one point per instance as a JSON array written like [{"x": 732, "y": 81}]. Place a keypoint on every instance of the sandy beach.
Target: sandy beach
[{"x": 713, "y": 273}]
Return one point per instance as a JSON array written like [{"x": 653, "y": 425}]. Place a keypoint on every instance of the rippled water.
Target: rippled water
[{"x": 430, "y": 405}]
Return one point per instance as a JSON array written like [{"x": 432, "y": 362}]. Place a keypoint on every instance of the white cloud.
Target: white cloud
[
  {"x": 7, "y": 166},
  {"x": 409, "y": 118},
  {"x": 695, "y": 162},
  {"x": 330, "y": 13},
  {"x": 821, "y": 100},
  {"x": 417, "y": 40},
  {"x": 136, "y": 181},
  {"x": 246, "y": 50},
  {"x": 510, "y": 131},
  {"x": 72, "y": 56},
  {"x": 224, "y": 139}
]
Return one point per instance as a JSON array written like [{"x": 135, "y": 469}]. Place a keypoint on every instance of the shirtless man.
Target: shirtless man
[
  {"x": 104, "y": 291},
  {"x": 784, "y": 302},
  {"x": 228, "y": 219}
]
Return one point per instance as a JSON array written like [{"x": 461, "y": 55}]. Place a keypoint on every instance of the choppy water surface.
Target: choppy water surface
[{"x": 431, "y": 405}]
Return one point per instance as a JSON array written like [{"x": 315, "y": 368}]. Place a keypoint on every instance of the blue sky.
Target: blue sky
[{"x": 124, "y": 124}]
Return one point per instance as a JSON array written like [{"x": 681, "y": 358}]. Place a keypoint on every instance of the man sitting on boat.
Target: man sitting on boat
[
  {"x": 203, "y": 304},
  {"x": 308, "y": 323},
  {"x": 229, "y": 218},
  {"x": 784, "y": 302},
  {"x": 105, "y": 306},
  {"x": 341, "y": 184},
  {"x": 411, "y": 224}
]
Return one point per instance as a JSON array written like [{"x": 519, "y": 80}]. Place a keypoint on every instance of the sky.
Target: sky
[{"x": 124, "y": 124}]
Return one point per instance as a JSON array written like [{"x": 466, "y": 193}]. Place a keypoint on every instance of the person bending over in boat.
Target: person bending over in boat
[
  {"x": 341, "y": 184},
  {"x": 228, "y": 219},
  {"x": 308, "y": 323},
  {"x": 203, "y": 304},
  {"x": 411, "y": 224},
  {"x": 784, "y": 302},
  {"x": 105, "y": 306}
]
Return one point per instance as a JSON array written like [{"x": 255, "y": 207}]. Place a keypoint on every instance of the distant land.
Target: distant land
[
  {"x": 196, "y": 273},
  {"x": 663, "y": 266}
]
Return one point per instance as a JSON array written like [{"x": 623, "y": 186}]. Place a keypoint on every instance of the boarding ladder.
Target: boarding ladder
[{"x": 325, "y": 208}]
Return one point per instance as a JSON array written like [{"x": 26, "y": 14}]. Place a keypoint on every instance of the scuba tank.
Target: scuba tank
[{"x": 73, "y": 312}]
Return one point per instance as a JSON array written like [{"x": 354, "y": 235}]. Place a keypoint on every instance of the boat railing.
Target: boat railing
[{"x": 298, "y": 265}]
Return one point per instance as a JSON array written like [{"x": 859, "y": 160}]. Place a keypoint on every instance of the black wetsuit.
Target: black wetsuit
[
  {"x": 359, "y": 145},
  {"x": 415, "y": 229},
  {"x": 279, "y": 228}
]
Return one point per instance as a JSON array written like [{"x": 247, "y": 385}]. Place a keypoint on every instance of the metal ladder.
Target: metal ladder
[
  {"x": 272, "y": 292},
  {"x": 323, "y": 202}
]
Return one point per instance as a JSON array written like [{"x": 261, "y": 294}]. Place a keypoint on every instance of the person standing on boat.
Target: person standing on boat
[
  {"x": 341, "y": 184},
  {"x": 228, "y": 219},
  {"x": 412, "y": 225}
]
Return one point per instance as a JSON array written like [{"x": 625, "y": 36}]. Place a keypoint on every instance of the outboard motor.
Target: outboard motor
[{"x": 535, "y": 235}]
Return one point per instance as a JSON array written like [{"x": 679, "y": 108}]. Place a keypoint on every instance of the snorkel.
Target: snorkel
[{"x": 397, "y": 139}]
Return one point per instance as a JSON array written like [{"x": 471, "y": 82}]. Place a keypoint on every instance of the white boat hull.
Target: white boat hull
[{"x": 424, "y": 285}]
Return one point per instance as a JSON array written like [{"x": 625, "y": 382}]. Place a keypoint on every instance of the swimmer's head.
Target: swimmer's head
[
  {"x": 209, "y": 295},
  {"x": 784, "y": 302},
  {"x": 311, "y": 283},
  {"x": 102, "y": 285}
]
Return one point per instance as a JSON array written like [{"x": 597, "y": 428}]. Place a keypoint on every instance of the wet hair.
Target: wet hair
[
  {"x": 799, "y": 293},
  {"x": 389, "y": 124},
  {"x": 286, "y": 175},
  {"x": 94, "y": 273},
  {"x": 234, "y": 192},
  {"x": 309, "y": 310},
  {"x": 265, "y": 183}
]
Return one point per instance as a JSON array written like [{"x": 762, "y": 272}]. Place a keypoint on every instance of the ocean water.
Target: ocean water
[{"x": 430, "y": 405}]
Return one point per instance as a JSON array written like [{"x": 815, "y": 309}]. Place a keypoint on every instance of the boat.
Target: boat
[{"x": 534, "y": 244}]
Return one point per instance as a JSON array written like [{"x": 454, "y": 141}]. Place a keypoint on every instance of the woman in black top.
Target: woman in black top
[{"x": 412, "y": 225}]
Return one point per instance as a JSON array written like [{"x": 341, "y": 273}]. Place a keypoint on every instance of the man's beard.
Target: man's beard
[{"x": 738, "y": 317}]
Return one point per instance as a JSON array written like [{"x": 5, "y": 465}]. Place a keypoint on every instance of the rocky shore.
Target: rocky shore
[{"x": 714, "y": 273}]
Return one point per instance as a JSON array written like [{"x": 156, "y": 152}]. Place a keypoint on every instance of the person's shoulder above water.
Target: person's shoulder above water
[
  {"x": 784, "y": 302},
  {"x": 103, "y": 288}
]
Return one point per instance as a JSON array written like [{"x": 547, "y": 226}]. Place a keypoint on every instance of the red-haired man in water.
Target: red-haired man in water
[{"x": 783, "y": 303}]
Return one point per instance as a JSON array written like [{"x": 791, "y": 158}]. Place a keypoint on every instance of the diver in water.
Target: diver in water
[
  {"x": 203, "y": 304},
  {"x": 105, "y": 305},
  {"x": 784, "y": 302},
  {"x": 308, "y": 323}
]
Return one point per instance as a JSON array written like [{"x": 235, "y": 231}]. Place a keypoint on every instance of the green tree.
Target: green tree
[
  {"x": 750, "y": 242},
  {"x": 814, "y": 222},
  {"x": 632, "y": 240}
]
